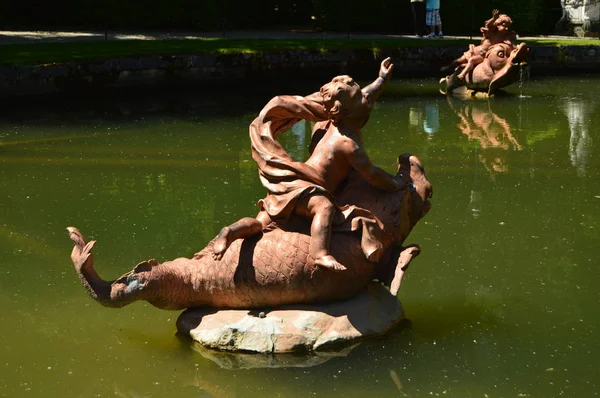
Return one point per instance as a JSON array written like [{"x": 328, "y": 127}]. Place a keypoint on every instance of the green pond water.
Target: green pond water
[{"x": 502, "y": 302}]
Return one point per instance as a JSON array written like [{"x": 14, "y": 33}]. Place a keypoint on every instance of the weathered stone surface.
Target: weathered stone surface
[{"x": 296, "y": 327}]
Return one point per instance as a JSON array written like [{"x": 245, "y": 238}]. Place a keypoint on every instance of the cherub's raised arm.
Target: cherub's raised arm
[
  {"x": 375, "y": 89},
  {"x": 489, "y": 24}
]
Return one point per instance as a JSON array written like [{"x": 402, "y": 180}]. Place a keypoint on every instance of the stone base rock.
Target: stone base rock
[{"x": 295, "y": 327}]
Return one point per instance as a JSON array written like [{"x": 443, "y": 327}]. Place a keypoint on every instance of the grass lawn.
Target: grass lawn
[{"x": 49, "y": 53}]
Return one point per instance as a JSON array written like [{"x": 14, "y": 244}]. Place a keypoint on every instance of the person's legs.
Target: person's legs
[
  {"x": 418, "y": 10},
  {"x": 430, "y": 21},
  {"x": 438, "y": 23},
  {"x": 243, "y": 228},
  {"x": 322, "y": 211}
]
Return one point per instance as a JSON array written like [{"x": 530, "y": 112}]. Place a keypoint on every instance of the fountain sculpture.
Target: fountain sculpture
[
  {"x": 327, "y": 228},
  {"x": 493, "y": 64}
]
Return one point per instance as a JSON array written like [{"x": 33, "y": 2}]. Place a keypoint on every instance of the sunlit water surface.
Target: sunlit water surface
[{"x": 502, "y": 302}]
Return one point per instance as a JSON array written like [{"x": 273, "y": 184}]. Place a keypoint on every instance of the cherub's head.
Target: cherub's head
[
  {"x": 343, "y": 99},
  {"x": 503, "y": 22}
]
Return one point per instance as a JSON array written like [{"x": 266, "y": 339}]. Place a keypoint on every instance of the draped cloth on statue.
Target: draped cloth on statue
[{"x": 288, "y": 181}]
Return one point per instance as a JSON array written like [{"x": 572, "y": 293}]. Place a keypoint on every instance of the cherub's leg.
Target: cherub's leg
[
  {"x": 240, "y": 229},
  {"x": 454, "y": 64},
  {"x": 322, "y": 212},
  {"x": 470, "y": 66}
]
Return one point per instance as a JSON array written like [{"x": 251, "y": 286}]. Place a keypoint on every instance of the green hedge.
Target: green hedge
[{"x": 383, "y": 16}]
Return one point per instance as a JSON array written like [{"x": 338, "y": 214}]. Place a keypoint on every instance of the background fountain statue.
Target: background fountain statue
[
  {"x": 580, "y": 18},
  {"x": 276, "y": 258},
  {"x": 493, "y": 64}
]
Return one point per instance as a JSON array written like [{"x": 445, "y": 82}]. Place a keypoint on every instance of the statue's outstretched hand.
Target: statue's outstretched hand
[
  {"x": 495, "y": 13},
  {"x": 385, "y": 71}
]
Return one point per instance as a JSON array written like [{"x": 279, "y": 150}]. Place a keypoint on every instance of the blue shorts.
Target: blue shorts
[{"x": 432, "y": 17}]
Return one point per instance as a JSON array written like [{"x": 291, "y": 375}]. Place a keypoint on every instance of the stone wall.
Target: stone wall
[{"x": 409, "y": 62}]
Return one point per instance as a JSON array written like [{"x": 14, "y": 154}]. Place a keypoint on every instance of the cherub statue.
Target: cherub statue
[
  {"x": 495, "y": 30},
  {"x": 340, "y": 110}
]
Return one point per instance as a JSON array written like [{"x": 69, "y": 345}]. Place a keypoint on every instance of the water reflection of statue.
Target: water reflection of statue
[
  {"x": 577, "y": 112},
  {"x": 493, "y": 136},
  {"x": 478, "y": 122}
]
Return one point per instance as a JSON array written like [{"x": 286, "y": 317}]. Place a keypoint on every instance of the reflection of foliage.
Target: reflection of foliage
[
  {"x": 536, "y": 136},
  {"x": 468, "y": 145}
]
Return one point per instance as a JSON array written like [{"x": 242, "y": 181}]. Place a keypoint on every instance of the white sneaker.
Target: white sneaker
[
  {"x": 431, "y": 35},
  {"x": 440, "y": 34}
]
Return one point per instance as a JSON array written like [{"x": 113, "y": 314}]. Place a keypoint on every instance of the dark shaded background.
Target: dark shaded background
[{"x": 459, "y": 17}]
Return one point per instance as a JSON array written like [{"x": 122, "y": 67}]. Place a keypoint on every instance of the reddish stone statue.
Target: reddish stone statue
[
  {"x": 326, "y": 228},
  {"x": 492, "y": 64}
]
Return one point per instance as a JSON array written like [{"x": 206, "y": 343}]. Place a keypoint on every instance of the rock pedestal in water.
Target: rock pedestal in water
[{"x": 295, "y": 327}]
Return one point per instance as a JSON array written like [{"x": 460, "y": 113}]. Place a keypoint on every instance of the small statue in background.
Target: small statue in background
[
  {"x": 496, "y": 30},
  {"x": 472, "y": 70}
]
